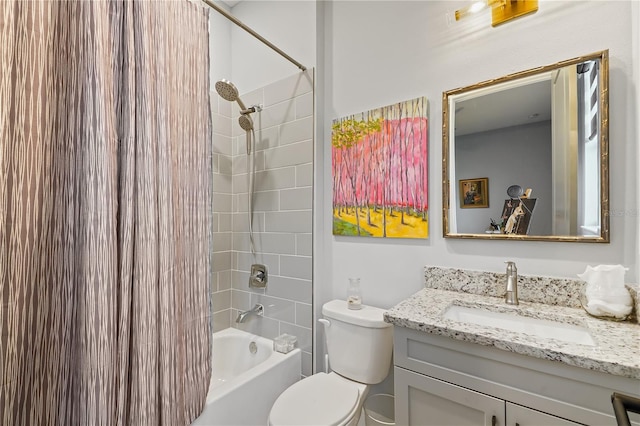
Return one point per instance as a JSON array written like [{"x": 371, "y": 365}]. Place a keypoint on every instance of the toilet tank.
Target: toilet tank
[{"x": 359, "y": 342}]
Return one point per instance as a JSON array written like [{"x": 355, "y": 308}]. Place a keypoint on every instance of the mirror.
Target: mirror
[{"x": 525, "y": 156}]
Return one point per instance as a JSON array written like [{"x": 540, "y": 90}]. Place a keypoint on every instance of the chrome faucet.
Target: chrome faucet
[
  {"x": 511, "y": 298},
  {"x": 257, "y": 310}
]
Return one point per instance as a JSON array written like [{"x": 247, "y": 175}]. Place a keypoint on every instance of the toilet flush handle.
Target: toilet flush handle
[{"x": 326, "y": 322}]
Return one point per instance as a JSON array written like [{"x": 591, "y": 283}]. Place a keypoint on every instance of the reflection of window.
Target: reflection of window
[{"x": 588, "y": 149}]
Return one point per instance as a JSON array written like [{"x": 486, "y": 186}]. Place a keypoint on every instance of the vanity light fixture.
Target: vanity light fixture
[{"x": 501, "y": 10}]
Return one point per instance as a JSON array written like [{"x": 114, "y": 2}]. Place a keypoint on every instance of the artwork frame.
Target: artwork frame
[
  {"x": 474, "y": 193},
  {"x": 379, "y": 162}
]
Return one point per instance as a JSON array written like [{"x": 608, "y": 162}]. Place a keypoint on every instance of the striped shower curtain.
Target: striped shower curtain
[{"x": 105, "y": 212}]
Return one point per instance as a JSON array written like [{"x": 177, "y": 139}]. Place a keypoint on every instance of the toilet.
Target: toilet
[{"x": 359, "y": 345}]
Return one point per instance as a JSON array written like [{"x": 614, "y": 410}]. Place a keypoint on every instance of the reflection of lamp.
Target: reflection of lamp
[{"x": 501, "y": 10}]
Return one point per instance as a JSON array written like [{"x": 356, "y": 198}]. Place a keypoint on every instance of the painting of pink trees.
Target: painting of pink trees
[{"x": 379, "y": 163}]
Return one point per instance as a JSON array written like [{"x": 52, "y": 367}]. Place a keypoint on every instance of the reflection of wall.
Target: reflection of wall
[{"x": 519, "y": 155}]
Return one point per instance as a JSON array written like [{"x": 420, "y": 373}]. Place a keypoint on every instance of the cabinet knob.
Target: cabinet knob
[{"x": 494, "y": 420}]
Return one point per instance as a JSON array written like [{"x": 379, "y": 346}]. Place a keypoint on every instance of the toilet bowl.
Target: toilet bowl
[
  {"x": 359, "y": 346},
  {"x": 321, "y": 399}
]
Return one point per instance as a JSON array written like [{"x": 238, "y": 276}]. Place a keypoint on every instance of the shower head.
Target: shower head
[
  {"x": 245, "y": 122},
  {"x": 229, "y": 92}
]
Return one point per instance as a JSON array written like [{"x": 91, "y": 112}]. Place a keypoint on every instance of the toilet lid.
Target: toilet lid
[{"x": 321, "y": 399}]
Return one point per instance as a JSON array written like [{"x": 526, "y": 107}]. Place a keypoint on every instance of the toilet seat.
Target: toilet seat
[{"x": 320, "y": 399}]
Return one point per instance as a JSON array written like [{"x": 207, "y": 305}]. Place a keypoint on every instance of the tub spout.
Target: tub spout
[{"x": 257, "y": 310}]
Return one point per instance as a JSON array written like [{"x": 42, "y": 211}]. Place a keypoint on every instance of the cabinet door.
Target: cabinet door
[
  {"x": 517, "y": 415},
  {"x": 425, "y": 401}
]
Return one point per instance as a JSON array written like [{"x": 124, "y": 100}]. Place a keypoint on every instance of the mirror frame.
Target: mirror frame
[{"x": 447, "y": 142}]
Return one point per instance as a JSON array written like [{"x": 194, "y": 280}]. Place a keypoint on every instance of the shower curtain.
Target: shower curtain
[{"x": 105, "y": 212}]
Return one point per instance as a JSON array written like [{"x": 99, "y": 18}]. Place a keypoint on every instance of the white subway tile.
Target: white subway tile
[
  {"x": 221, "y": 301},
  {"x": 221, "y": 320},
  {"x": 222, "y": 183},
  {"x": 266, "y": 201},
  {"x": 267, "y": 138},
  {"x": 222, "y": 202},
  {"x": 221, "y": 261},
  {"x": 224, "y": 222}
]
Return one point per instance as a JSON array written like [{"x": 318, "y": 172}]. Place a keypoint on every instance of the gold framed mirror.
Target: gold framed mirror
[{"x": 540, "y": 138}]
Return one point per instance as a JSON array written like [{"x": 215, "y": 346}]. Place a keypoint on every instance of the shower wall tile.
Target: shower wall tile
[
  {"x": 304, "y": 244},
  {"x": 275, "y": 179},
  {"x": 296, "y": 221},
  {"x": 277, "y": 114},
  {"x": 296, "y": 131},
  {"x": 222, "y": 202},
  {"x": 280, "y": 243},
  {"x": 224, "y": 221},
  {"x": 307, "y": 362},
  {"x": 282, "y": 218},
  {"x": 304, "y": 105},
  {"x": 225, "y": 165},
  {"x": 267, "y": 137},
  {"x": 304, "y": 315},
  {"x": 222, "y": 184},
  {"x": 296, "y": 199},
  {"x": 240, "y": 300},
  {"x": 222, "y": 242},
  {"x": 221, "y": 126},
  {"x": 276, "y": 308},
  {"x": 294, "y": 154},
  {"x": 296, "y": 267},
  {"x": 221, "y": 320},
  {"x": 304, "y": 175},
  {"x": 290, "y": 288},
  {"x": 221, "y": 301},
  {"x": 221, "y": 260},
  {"x": 302, "y": 333},
  {"x": 288, "y": 88},
  {"x": 224, "y": 280}
]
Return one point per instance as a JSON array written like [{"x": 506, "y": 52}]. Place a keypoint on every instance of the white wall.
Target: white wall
[
  {"x": 290, "y": 25},
  {"x": 382, "y": 52}
]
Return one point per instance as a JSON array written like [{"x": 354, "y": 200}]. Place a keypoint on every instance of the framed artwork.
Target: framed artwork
[
  {"x": 379, "y": 171},
  {"x": 474, "y": 193}
]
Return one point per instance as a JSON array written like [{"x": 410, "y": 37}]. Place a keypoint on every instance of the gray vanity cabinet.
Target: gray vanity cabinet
[
  {"x": 425, "y": 401},
  {"x": 443, "y": 381}
]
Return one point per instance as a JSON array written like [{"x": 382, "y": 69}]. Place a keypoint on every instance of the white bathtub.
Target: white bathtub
[{"x": 244, "y": 386}]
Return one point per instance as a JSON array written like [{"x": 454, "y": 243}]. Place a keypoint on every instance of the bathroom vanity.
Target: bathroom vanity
[{"x": 462, "y": 356}]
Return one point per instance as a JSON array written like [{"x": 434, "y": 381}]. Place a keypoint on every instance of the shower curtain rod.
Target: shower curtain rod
[{"x": 252, "y": 32}]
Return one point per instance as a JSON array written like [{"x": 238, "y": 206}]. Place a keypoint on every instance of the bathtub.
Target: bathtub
[{"x": 245, "y": 385}]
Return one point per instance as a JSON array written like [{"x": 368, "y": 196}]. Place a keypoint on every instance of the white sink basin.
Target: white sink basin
[{"x": 521, "y": 324}]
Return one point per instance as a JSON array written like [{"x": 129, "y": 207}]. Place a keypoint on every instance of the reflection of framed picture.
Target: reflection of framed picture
[{"x": 474, "y": 193}]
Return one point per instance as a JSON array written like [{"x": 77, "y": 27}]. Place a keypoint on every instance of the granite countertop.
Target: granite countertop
[{"x": 617, "y": 349}]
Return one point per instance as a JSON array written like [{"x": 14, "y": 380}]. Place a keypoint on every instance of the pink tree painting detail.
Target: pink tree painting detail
[{"x": 380, "y": 179}]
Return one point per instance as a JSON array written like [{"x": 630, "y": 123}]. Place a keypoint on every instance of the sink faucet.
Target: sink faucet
[
  {"x": 257, "y": 310},
  {"x": 511, "y": 298}
]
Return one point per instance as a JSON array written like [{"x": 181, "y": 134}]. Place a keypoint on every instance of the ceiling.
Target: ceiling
[{"x": 519, "y": 105}]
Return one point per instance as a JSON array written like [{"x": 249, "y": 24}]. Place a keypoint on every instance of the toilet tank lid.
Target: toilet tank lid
[{"x": 368, "y": 316}]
